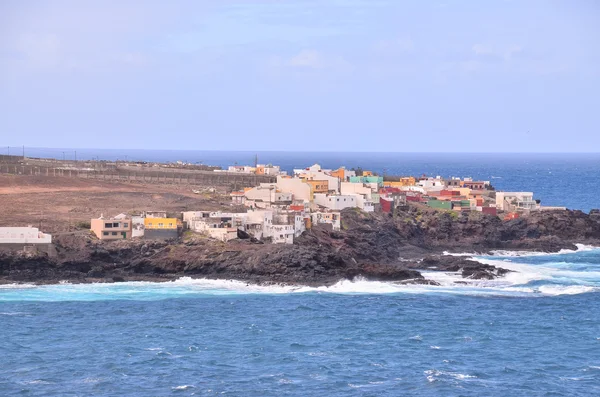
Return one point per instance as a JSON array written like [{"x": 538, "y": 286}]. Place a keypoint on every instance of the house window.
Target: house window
[
  {"x": 108, "y": 225},
  {"x": 170, "y": 224},
  {"x": 116, "y": 224},
  {"x": 105, "y": 233},
  {"x": 126, "y": 224},
  {"x": 114, "y": 233},
  {"x": 150, "y": 224},
  {"x": 160, "y": 225}
]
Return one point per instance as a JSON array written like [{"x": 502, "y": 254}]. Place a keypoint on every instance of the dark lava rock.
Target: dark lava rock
[{"x": 370, "y": 245}]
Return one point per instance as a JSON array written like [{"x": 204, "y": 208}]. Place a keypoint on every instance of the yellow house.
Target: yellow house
[
  {"x": 161, "y": 223},
  {"x": 317, "y": 186},
  {"x": 367, "y": 173},
  {"x": 161, "y": 228},
  {"x": 404, "y": 181}
]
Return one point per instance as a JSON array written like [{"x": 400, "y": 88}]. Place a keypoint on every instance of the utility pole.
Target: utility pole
[
  {"x": 76, "y": 155},
  {"x": 23, "y": 152},
  {"x": 63, "y": 156},
  {"x": 8, "y": 150}
]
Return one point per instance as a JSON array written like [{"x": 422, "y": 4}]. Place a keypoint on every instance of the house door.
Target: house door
[{"x": 124, "y": 234}]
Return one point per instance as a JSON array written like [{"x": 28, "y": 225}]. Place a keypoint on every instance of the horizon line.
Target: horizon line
[{"x": 58, "y": 149}]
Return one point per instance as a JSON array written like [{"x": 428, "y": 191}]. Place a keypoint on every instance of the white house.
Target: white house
[
  {"x": 300, "y": 189},
  {"x": 357, "y": 188},
  {"x": 269, "y": 169},
  {"x": 432, "y": 184},
  {"x": 332, "y": 218},
  {"x": 23, "y": 235},
  {"x": 282, "y": 234},
  {"x": 267, "y": 195},
  {"x": 335, "y": 201},
  {"x": 364, "y": 203}
]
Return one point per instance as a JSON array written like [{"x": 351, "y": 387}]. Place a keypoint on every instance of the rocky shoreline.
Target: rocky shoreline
[{"x": 374, "y": 246}]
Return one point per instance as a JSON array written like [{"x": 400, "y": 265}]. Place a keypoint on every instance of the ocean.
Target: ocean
[
  {"x": 535, "y": 332},
  {"x": 557, "y": 179}
]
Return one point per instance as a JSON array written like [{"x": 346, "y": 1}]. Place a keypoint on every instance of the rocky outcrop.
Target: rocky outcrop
[{"x": 375, "y": 246}]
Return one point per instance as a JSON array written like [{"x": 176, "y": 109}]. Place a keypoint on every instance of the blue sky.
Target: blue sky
[{"x": 354, "y": 75}]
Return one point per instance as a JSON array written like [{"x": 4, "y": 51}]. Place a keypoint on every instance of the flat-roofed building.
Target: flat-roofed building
[{"x": 112, "y": 228}]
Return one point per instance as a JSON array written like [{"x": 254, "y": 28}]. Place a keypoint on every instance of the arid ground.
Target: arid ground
[{"x": 62, "y": 204}]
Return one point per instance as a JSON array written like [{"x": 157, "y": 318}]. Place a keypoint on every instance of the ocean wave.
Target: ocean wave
[
  {"x": 514, "y": 284},
  {"x": 516, "y": 253},
  {"x": 16, "y": 286},
  {"x": 183, "y": 387},
  {"x": 546, "y": 278},
  {"x": 433, "y": 375}
]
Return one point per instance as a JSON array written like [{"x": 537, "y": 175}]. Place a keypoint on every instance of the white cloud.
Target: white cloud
[
  {"x": 42, "y": 50},
  {"x": 313, "y": 59},
  {"x": 514, "y": 49},
  {"x": 135, "y": 58},
  {"x": 307, "y": 59},
  {"x": 482, "y": 49},
  {"x": 400, "y": 44}
]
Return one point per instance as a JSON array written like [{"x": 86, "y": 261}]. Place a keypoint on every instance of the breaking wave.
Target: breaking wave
[{"x": 532, "y": 275}]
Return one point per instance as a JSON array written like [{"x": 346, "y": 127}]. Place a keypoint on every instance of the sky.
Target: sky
[{"x": 302, "y": 75}]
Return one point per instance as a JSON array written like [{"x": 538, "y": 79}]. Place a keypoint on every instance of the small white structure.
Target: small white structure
[
  {"x": 237, "y": 198},
  {"x": 332, "y": 218},
  {"x": 335, "y": 201},
  {"x": 282, "y": 234},
  {"x": 137, "y": 226},
  {"x": 241, "y": 169},
  {"x": 432, "y": 184},
  {"x": 358, "y": 188},
  {"x": 267, "y": 195},
  {"x": 269, "y": 169},
  {"x": 154, "y": 214},
  {"x": 364, "y": 203},
  {"x": 23, "y": 235}
]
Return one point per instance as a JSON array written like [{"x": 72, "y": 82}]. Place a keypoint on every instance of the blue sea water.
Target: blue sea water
[
  {"x": 533, "y": 333},
  {"x": 571, "y": 180}
]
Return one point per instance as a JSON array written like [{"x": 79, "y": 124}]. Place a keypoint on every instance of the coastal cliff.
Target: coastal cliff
[{"x": 376, "y": 246}]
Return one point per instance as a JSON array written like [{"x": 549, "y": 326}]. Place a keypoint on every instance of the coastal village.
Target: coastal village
[{"x": 280, "y": 211}]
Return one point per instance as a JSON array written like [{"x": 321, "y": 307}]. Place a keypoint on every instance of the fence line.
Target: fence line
[{"x": 162, "y": 177}]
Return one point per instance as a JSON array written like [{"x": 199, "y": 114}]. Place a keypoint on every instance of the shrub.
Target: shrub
[{"x": 83, "y": 225}]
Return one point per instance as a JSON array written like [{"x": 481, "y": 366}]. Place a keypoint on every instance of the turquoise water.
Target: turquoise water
[{"x": 534, "y": 333}]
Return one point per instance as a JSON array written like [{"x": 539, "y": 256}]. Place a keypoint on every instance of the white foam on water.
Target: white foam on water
[
  {"x": 17, "y": 286},
  {"x": 561, "y": 281},
  {"x": 515, "y": 253},
  {"x": 450, "y": 283},
  {"x": 566, "y": 289},
  {"x": 434, "y": 375},
  {"x": 184, "y": 387}
]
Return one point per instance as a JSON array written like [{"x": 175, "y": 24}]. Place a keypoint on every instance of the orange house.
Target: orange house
[
  {"x": 317, "y": 186},
  {"x": 339, "y": 173}
]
